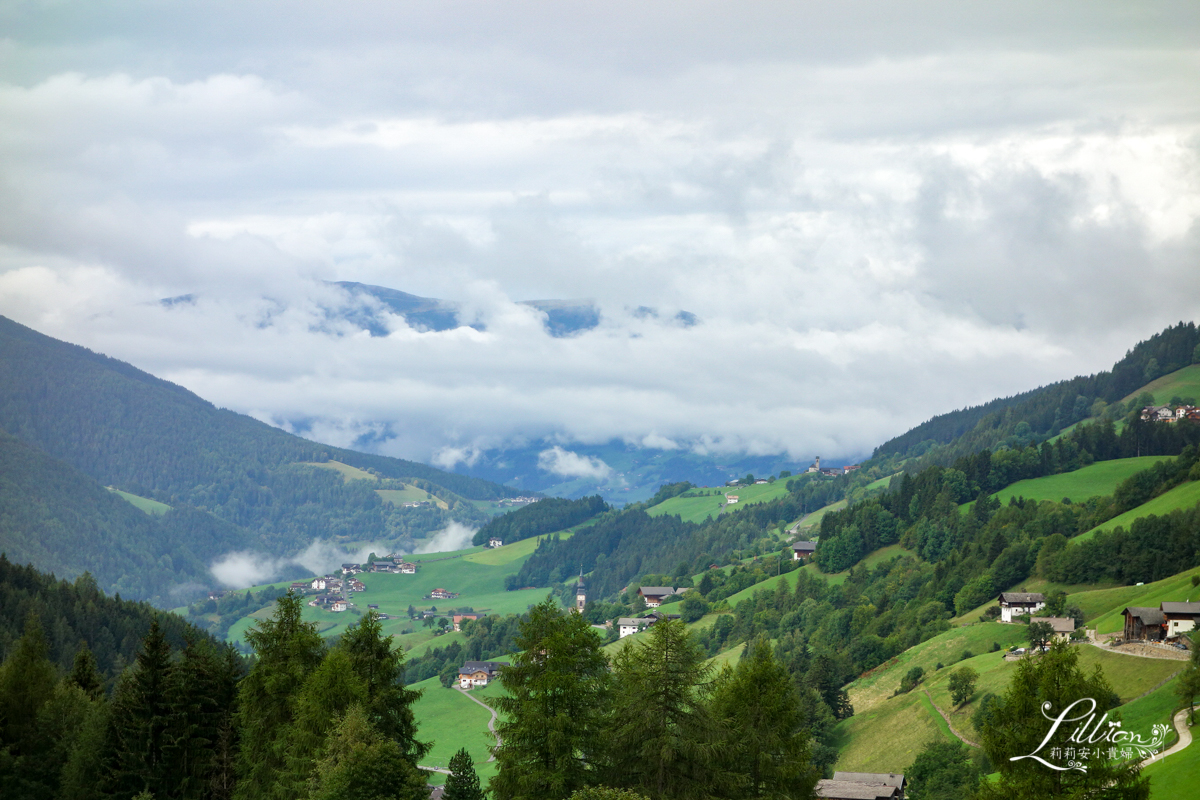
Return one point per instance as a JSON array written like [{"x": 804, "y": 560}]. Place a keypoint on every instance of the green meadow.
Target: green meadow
[
  {"x": 451, "y": 721},
  {"x": 1185, "y": 495},
  {"x": 1102, "y": 607},
  {"x": 1099, "y": 479},
  {"x": 1181, "y": 383},
  {"x": 697, "y": 505},
  {"x": 811, "y": 522},
  {"x": 152, "y": 507}
]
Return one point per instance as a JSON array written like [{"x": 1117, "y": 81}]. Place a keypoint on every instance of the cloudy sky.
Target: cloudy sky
[{"x": 878, "y": 211}]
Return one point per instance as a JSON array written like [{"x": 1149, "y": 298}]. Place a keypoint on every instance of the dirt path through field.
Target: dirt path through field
[
  {"x": 949, "y": 724},
  {"x": 491, "y": 722},
  {"x": 1185, "y": 738}
]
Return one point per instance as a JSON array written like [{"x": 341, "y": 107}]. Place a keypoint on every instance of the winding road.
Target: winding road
[
  {"x": 491, "y": 722},
  {"x": 1185, "y": 738}
]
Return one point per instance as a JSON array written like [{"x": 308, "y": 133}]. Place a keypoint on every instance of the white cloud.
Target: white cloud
[
  {"x": 454, "y": 536},
  {"x": 241, "y": 569},
  {"x": 562, "y": 462},
  {"x": 874, "y": 223}
]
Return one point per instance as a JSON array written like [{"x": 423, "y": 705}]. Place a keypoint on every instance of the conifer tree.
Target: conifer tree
[
  {"x": 558, "y": 691},
  {"x": 140, "y": 719},
  {"x": 1016, "y": 727},
  {"x": 463, "y": 782},
  {"x": 661, "y": 739},
  {"x": 288, "y": 651},
  {"x": 27, "y": 684},
  {"x": 764, "y": 747},
  {"x": 359, "y": 762},
  {"x": 85, "y": 675}
]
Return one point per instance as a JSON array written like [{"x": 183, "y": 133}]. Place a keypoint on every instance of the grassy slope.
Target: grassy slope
[
  {"x": 886, "y": 739},
  {"x": 697, "y": 505},
  {"x": 1102, "y": 607},
  {"x": 451, "y": 721},
  {"x": 1175, "y": 777},
  {"x": 152, "y": 507},
  {"x": 1099, "y": 479},
  {"x": 1185, "y": 495},
  {"x": 1182, "y": 383},
  {"x": 812, "y": 522}
]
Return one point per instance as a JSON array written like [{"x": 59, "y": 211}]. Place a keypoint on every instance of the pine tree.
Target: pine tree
[
  {"x": 463, "y": 782},
  {"x": 764, "y": 745},
  {"x": 1017, "y": 727},
  {"x": 140, "y": 718},
  {"x": 85, "y": 675},
  {"x": 288, "y": 650},
  {"x": 661, "y": 738},
  {"x": 359, "y": 762},
  {"x": 27, "y": 685},
  {"x": 558, "y": 696}
]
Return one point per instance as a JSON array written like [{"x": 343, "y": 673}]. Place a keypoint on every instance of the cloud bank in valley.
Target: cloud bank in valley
[
  {"x": 872, "y": 224},
  {"x": 244, "y": 568}
]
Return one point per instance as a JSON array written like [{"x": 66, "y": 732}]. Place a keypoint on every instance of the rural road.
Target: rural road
[
  {"x": 491, "y": 722},
  {"x": 1185, "y": 738},
  {"x": 962, "y": 738}
]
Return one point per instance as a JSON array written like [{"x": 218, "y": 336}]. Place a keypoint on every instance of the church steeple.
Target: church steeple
[{"x": 580, "y": 592}]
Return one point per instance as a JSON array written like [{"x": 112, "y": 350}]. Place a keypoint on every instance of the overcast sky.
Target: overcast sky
[{"x": 878, "y": 211}]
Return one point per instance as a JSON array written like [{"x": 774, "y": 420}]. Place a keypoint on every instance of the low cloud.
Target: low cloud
[
  {"x": 562, "y": 462},
  {"x": 245, "y": 568},
  {"x": 454, "y": 536}
]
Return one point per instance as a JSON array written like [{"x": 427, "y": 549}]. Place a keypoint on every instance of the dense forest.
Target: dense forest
[
  {"x": 73, "y": 422},
  {"x": 545, "y": 516}
]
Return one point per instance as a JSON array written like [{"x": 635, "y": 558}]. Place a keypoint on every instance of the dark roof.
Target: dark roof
[
  {"x": 484, "y": 666},
  {"x": 1059, "y": 624},
  {"x": 806, "y": 546},
  {"x": 1181, "y": 608},
  {"x": 853, "y": 790},
  {"x": 1022, "y": 598},
  {"x": 886, "y": 778},
  {"x": 657, "y": 591},
  {"x": 1148, "y": 616}
]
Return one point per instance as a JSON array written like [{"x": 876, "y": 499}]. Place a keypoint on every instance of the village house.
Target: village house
[
  {"x": 862, "y": 786},
  {"x": 628, "y": 626},
  {"x": 319, "y": 584},
  {"x": 357, "y": 586},
  {"x": 408, "y": 568},
  {"x": 383, "y": 565},
  {"x": 339, "y": 605},
  {"x": 1014, "y": 604},
  {"x": 443, "y": 594},
  {"x": 1063, "y": 626},
  {"x": 1179, "y": 617},
  {"x": 654, "y": 595},
  {"x": 351, "y": 569},
  {"x": 495, "y": 542},
  {"x": 478, "y": 673},
  {"x": 300, "y": 586},
  {"x": 730, "y": 499},
  {"x": 803, "y": 550},
  {"x": 761, "y": 482},
  {"x": 1143, "y": 623},
  {"x": 458, "y": 619}
]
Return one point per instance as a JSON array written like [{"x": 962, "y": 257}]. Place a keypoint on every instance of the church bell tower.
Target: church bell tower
[{"x": 580, "y": 592}]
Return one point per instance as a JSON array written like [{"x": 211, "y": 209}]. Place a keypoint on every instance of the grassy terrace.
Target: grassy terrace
[
  {"x": 1186, "y": 495},
  {"x": 1099, "y": 479},
  {"x": 1181, "y": 383},
  {"x": 152, "y": 507},
  {"x": 1102, "y": 607},
  {"x": 697, "y": 505}
]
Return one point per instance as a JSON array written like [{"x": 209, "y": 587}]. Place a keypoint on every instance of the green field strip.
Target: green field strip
[
  {"x": 348, "y": 472},
  {"x": 697, "y": 505},
  {"x": 452, "y": 721},
  {"x": 885, "y": 739},
  {"x": 499, "y": 556},
  {"x": 813, "y": 520},
  {"x": 1095, "y": 480},
  {"x": 1186, "y": 495},
  {"x": 151, "y": 507},
  {"x": 409, "y": 494},
  {"x": 936, "y": 717},
  {"x": 1102, "y": 607},
  {"x": 728, "y": 657},
  {"x": 1181, "y": 383}
]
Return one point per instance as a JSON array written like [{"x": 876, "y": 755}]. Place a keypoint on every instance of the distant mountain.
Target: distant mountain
[
  {"x": 127, "y": 429},
  {"x": 563, "y": 317}
]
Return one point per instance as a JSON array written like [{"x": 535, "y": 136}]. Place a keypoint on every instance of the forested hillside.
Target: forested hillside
[
  {"x": 544, "y": 516},
  {"x": 123, "y": 428}
]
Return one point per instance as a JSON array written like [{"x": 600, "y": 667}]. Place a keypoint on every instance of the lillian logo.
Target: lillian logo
[{"x": 1093, "y": 738}]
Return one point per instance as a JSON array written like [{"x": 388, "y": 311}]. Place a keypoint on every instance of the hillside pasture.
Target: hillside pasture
[
  {"x": 1095, "y": 480},
  {"x": 886, "y": 739},
  {"x": 151, "y": 507},
  {"x": 1102, "y": 607},
  {"x": 697, "y": 505},
  {"x": 409, "y": 494},
  {"x": 1185, "y": 495},
  {"x": 452, "y": 721},
  {"x": 348, "y": 472},
  {"x": 506, "y": 554},
  {"x": 812, "y": 521},
  {"x": 1181, "y": 383}
]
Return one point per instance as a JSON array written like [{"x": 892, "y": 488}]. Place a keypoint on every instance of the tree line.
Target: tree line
[{"x": 545, "y": 516}]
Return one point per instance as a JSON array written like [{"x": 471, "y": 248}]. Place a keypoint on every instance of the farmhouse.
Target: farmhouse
[
  {"x": 407, "y": 568},
  {"x": 1144, "y": 623},
  {"x": 1063, "y": 626},
  {"x": 627, "y": 626},
  {"x": 383, "y": 565},
  {"x": 803, "y": 550},
  {"x": 339, "y": 605},
  {"x": 319, "y": 584},
  {"x": 495, "y": 542},
  {"x": 654, "y": 595},
  {"x": 457, "y": 619},
  {"x": 357, "y": 585},
  {"x": 300, "y": 586},
  {"x": 443, "y": 594},
  {"x": 1179, "y": 617},
  {"x": 478, "y": 673},
  {"x": 1014, "y": 604},
  {"x": 351, "y": 569},
  {"x": 862, "y": 786},
  {"x": 730, "y": 499}
]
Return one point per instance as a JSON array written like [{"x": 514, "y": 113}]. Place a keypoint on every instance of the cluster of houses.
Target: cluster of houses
[
  {"x": 516, "y": 501},
  {"x": 442, "y": 594},
  {"x": 1168, "y": 414},
  {"x": 330, "y": 602},
  {"x": 396, "y": 566},
  {"x": 1017, "y": 604},
  {"x": 1161, "y": 624},
  {"x": 329, "y": 583},
  {"x": 862, "y": 786},
  {"x": 627, "y": 626},
  {"x": 831, "y": 473}
]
